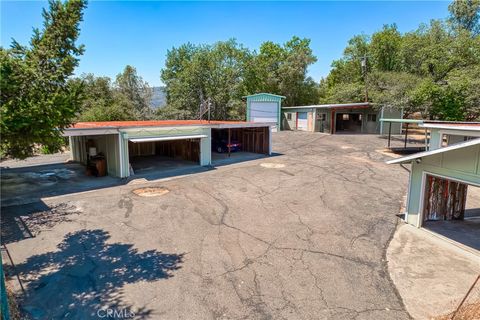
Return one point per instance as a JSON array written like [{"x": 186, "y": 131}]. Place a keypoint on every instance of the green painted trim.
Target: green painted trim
[
  {"x": 279, "y": 116},
  {"x": 264, "y": 94}
]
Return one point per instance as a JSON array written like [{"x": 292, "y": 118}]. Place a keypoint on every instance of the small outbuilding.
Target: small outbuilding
[
  {"x": 265, "y": 108},
  {"x": 339, "y": 118},
  {"x": 441, "y": 176}
]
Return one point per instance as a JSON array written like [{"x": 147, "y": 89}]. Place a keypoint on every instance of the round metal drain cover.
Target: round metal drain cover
[
  {"x": 271, "y": 165},
  {"x": 151, "y": 192}
]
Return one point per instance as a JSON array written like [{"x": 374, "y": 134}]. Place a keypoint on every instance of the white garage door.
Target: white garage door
[
  {"x": 264, "y": 112},
  {"x": 302, "y": 121}
]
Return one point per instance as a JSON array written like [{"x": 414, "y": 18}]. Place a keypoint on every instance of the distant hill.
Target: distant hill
[{"x": 159, "y": 97}]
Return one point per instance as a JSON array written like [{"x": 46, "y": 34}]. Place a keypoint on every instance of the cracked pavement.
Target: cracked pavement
[{"x": 305, "y": 241}]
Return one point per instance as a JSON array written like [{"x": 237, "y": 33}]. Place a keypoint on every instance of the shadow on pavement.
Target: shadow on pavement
[
  {"x": 25, "y": 185},
  {"x": 84, "y": 278}
]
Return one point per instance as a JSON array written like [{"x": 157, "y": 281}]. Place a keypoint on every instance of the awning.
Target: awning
[{"x": 167, "y": 138}]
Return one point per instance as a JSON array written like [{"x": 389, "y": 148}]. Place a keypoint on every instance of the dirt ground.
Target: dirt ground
[{"x": 300, "y": 235}]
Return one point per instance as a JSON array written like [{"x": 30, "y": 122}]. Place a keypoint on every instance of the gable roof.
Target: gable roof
[
  {"x": 452, "y": 147},
  {"x": 264, "y": 94}
]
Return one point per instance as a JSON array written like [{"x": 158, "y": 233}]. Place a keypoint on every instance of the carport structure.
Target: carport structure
[{"x": 130, "y": 145}]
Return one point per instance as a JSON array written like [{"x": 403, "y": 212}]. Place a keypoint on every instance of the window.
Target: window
[
  {"x": 289, "y": 116},
  {"x": 321, "y": 116},
  {"x": 345, "y": 117},
  {"x": 372, "y": 117}
]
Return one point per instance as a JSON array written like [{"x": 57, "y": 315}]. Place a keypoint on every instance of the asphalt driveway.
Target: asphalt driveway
[{"x": 301, "y": 235}]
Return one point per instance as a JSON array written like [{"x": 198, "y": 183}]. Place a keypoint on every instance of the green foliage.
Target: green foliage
[
  {"x": 384, "y": 49},
  {"x": 127, "y": 99},
  {"x": 134, "y": 93},
  {"x": 395, "y": 89},
  {"x": 465, "y": 14},
  {"x": 433, "y": 70},
  {"x": 283, "y": 70},
  {"x": 201, "y": 75},
  {"x": 36, "y": 101},
  {"x": 220, "y": 74}
]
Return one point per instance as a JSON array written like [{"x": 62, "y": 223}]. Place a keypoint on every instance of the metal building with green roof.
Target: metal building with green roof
[{"x": 265, "y": 108}]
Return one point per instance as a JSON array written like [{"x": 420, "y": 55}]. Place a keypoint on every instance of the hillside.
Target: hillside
[{"x": 159, "y": 97}]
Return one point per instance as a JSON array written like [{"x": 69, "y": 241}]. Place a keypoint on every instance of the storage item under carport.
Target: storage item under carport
[{"x": 97, "y": 166}]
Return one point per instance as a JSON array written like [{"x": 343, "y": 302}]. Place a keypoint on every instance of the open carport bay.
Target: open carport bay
[
  {"x": 254, "y": 140},
  {"x": 245, "y": 144},
  {"x": 163, "y": 155}
]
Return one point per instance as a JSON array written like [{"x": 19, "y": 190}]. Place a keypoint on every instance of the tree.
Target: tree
[
  {"x": 220, "y": 74},
  {"x": 100, "y": 102},
  {"x": 134, "y": 93},
  {"x": 283, "y": 70},
  {"x": 36, "y": 101},
  {"x": 465, "y": 14},
  {"x": 433, "y": 70},
  {"x": 204, "y": 75},
  {"x": 385, "y": 47}
]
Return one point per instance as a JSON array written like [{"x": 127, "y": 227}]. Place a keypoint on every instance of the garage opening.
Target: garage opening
[
  {"x": 302, "y": 121},
  {"x": 452, "y": 209},
  {"x": 239, "y": 144},
  {"x": 348, "y": 123},
  {"x": 151, "y": 156}
]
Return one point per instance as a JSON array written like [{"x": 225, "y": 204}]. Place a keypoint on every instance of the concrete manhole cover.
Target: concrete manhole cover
[
  {"x": 151, "y": 192},
  {"x": 271, "y": 165}
]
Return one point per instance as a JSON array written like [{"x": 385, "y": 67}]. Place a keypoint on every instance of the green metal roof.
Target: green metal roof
[
  {"x": 402, "y": 120},
  {"x": 264, "y": 97}
]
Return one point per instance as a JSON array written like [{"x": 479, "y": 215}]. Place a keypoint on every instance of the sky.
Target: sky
[{"x": 117, "y": 33}]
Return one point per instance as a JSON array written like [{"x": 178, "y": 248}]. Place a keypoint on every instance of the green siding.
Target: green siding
[
  {"x": 205, "y": 143},
  {"x": 265, "y": 97},
  {"x": 461, "y": 164}
]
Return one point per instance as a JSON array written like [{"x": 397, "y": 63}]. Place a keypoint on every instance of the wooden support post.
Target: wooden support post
[
  {"x": 228, "y": 143},
  {"x": 406, "y": 137},
  {"x": 332, "y": 122},
  {"x": 426, "y": 139},
  {"x": 389, "y": 133}
]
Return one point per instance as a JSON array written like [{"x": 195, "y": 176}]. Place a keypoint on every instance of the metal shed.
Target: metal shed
[
  {"x": 124, "y": 144},
  {"x": 266, "y": 108}
]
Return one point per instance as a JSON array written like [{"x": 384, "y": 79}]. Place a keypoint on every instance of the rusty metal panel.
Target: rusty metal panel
[{"x": 444, "y": 199}]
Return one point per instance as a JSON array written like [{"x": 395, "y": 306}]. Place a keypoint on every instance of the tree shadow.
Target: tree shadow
[{"x": 86, "y": 276}]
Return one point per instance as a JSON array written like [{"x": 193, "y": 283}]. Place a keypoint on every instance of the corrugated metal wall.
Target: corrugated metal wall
[{"x": 105, "y": 144}]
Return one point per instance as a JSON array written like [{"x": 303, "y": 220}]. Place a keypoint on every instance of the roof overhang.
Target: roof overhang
[
  {"x": 359, "y": 105},
  {"x": 167, "y": 138},
  {"x": 451, "y": 126},
  {"x": 243, "y": 125},
  {"x": 419, "y": 122},
  {"x": 264, "y": 94},
  {"x": 89, "y": 132},
  {"x": 419, "y": 155},
  {"x": 72, "y": 132}
]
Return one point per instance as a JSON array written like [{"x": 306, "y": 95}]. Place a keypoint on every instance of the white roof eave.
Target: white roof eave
[{"x": 436, "y": 151}]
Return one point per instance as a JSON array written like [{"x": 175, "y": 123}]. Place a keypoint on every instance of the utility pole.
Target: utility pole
[
  {"x": 209, "y": 105},
  {"x": 364, "y": 73}
]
